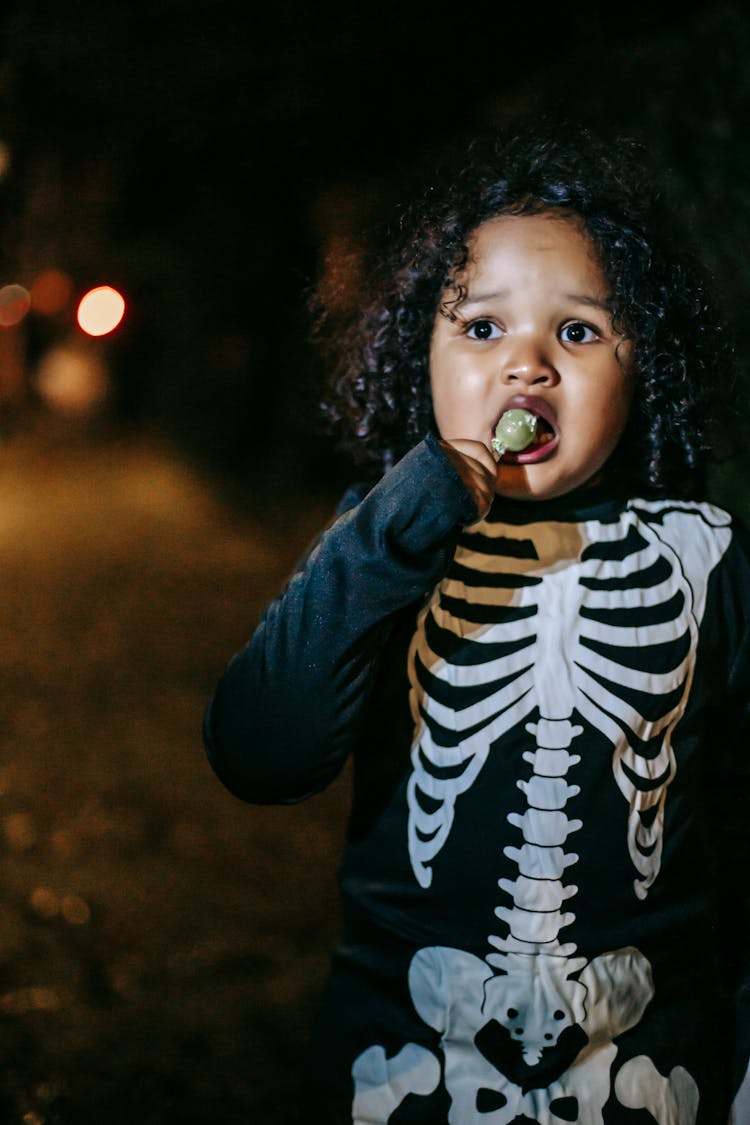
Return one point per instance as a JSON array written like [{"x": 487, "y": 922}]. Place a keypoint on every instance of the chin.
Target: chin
[
  {"x": 526, "y": 482},
  {"x": 515, "y": 482},
  {"x": 532, "y": 495}
]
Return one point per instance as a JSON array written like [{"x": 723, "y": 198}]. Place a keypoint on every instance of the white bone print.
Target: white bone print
[
  {"x": 551, "y": 626},
  {"x": 383, "y": 1083},
  {"x": 614, "y": 990},
  {"x": 566, "y": 621},
  {"x": 670, "y": 1101},
  {"x": 456, "y": 994}
]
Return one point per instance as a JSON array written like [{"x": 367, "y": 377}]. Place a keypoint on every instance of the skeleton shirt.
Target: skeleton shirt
[{"x": 546, "y": 712}]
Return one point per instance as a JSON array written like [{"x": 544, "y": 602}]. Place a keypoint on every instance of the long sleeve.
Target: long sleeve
[{"x": 285, "y": 713}]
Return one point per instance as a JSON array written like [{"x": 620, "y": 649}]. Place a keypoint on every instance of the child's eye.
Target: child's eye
[
  {"x": 575, "y": 332},
  {"x": 483, "y": 330}
]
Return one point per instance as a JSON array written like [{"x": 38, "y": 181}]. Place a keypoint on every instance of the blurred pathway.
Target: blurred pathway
[{"x": 160, "y": 943}]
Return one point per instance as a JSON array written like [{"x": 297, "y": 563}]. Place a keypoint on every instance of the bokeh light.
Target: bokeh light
[
  {"x": 51, "y": 292},
  {"x": 101, "y": 310},
  {"x": 15, "y": 302},
  {"x": 72, "y": 379}
]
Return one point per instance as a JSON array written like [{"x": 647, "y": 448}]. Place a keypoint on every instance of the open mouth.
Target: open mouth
[
  {"x": 545, "y": 438},
  {"x": 542, "y": 445}
]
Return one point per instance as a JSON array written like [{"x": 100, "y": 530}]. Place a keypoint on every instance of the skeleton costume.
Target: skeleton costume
[{"x": 545, "y": 881}]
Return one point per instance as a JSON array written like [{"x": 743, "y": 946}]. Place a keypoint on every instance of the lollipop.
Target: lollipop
[{"x": 514, "y": 432}]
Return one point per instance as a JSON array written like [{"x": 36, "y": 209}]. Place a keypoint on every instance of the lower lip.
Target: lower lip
[{"x": 531, "y": 456}]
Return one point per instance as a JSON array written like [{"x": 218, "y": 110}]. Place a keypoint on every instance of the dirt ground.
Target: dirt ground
[{"x": 161, "y": 944}]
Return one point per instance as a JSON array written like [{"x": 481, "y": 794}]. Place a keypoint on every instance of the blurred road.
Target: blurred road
[{"x": 161, "y": 944}]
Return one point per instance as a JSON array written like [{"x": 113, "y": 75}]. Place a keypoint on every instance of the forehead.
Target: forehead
[{"x": 530, "y": 246}]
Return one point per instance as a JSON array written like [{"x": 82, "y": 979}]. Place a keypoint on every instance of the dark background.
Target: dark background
[
  {"x": 162, "y": 946},
  {"x": 208, "y": 157}
]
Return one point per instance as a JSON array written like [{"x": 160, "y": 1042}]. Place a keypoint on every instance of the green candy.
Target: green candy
[{"x": 514, "y": 432}]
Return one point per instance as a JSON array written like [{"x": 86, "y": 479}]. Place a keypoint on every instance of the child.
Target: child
[{"x": 530, "y": 661}]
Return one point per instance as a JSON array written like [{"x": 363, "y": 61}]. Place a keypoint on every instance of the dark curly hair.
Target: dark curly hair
[{"x": 378, "y": 392}]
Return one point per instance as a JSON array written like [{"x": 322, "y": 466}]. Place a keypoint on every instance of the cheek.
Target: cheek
[
  {"x": 625, "y": 400},
  {"x": 437, "y": 388},
  {"x": 456, "y": 376},
  {"x": 616, "y": 405},
  {"x": 458, "y": 400},
  {"x": 446, "y": 405},
  {"x": 435, "y": 371},
  {"x": 445, "y": 378},
  {"x": 627, "y": 373}
]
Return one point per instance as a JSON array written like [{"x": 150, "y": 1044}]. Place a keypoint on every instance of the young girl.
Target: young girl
[{"x": 540, "y": 666}]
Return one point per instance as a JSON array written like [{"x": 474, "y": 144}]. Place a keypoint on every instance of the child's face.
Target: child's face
[{"x": 532, "y": 330}]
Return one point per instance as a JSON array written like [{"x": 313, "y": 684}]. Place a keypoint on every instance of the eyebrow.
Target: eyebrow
[
  {"x": 480, "y": 298},
  {"x": 499, "y": 294},
  {"x": 583, "y": 299}
]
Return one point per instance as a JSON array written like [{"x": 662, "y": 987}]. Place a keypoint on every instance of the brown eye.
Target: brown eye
[
  {"x": 578, "y": 333},
  {"x": 483, "y": 330}
]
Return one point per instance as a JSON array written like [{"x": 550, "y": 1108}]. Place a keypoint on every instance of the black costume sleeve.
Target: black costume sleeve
[{"x": 285, "y": 713}]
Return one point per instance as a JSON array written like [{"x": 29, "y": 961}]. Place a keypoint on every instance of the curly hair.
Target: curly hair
[{"x": 378, "y": 392}]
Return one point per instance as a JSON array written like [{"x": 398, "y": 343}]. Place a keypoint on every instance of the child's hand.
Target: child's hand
[{"x": 476, "y": 467}]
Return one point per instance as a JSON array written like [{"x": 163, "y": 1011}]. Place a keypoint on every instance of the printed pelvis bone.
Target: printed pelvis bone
[
  {"x": 536, "y": 1000},
  {"x": 457, "y": 995}
]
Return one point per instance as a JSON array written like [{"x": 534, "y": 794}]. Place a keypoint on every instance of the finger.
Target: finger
[
  {"x": 476, "y": 450},
  {"x": 479, "y": 482}
]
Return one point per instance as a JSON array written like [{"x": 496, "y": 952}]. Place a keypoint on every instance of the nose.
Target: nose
[{"x": 526, "y": 363}]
